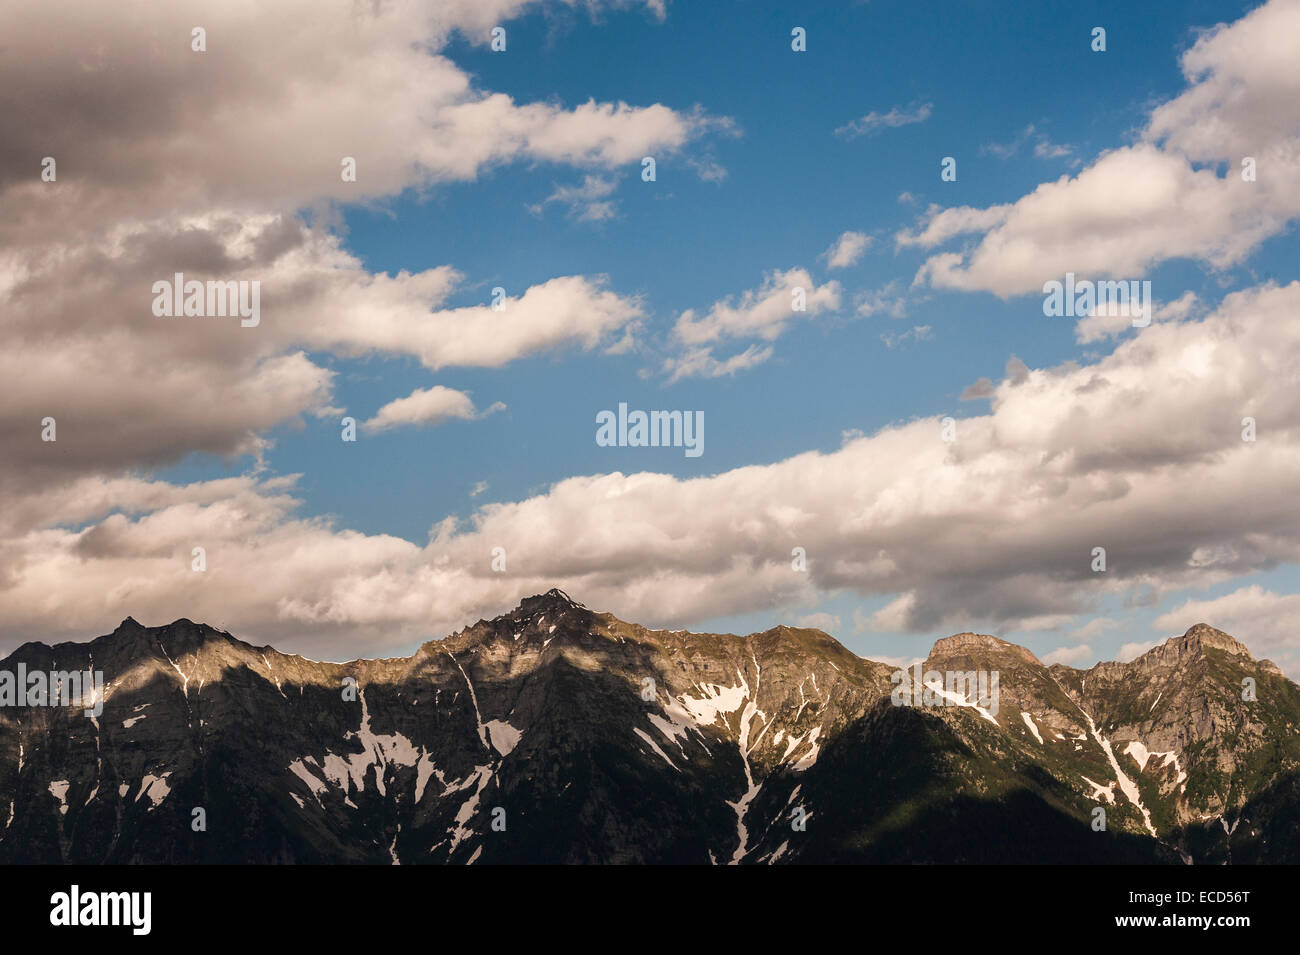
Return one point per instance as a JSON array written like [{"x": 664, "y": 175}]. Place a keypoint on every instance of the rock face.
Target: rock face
[{"x": 557, "y": 734}]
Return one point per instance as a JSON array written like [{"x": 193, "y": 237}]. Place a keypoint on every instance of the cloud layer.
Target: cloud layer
[{"x": 996, "y": 528}]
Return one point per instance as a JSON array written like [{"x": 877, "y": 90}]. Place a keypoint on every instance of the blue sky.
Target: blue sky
[
  {"x": 765, "y": 184},
  {"x": 791, "y": 187}
]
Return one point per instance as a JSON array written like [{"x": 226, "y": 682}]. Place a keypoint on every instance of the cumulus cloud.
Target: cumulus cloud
[
  {"x": 943, "y": 224},
  {"x": 1070, "y": 656},
  {"x": 889, "y": 300},
  {"x": 130, "y": 389},
  {"x": 980, "y": 388},
  {"x": 762, "y": 313},
  {"x": 427, "y": 406},
  {"x": 1179, "y": 192},
  {"x": 1112, "y": 320},
  {"x": 1094, "y": 628},
  {"x": 994, "y": 530},
  {"x": 847, "y": 250},
  {"x": 826, "y": 622},
  {"x": 1131, "y": 651}
]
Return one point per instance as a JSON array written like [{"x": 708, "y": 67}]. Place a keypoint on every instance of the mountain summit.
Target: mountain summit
[{"x": 554, "y": 733}]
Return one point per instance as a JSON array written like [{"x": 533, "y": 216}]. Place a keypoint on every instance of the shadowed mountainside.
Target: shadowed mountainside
[{"x": 556, "y": 734}]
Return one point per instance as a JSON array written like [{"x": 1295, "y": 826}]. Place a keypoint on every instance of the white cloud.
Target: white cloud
[
  {"x": 898, "y": 663},
  {"x": 588, "y": 202},
  {"x": 1178, "y": 193},
  {"x": 894, "y": 616},
  {"x": 427, "y": 406},
  {"x": 700, "y": 363},
  {"x": 873, "y": 122},
  {"x": 1131, "y": 651},
  {"x": 1094, "y": 628},
  {"x": 847, "y": 250},
  {"x": 889, "y": 300},
  {"x": 917, "y": 333},
  {"x": 826, "y": 622},
  {"x": 762, "y": 313},
  {"x": 943, "y": 224},
  {"x": 980, "y": 388},
  {"x": 1044, "y": 148},
  {"x": 1069, "y": 655}
]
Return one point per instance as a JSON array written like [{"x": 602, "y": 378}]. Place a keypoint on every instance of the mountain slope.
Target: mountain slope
[{"x": 556, "y": 734}]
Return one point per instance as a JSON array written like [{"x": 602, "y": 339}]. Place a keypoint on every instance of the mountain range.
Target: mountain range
[{"x": 556, "y": 734}]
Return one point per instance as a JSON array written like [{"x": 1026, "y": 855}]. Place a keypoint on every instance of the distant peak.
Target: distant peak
[
  {"x": 552, "y": 596},
  {"x": 1207, "y": 636},
  {"x": 965, "y": 642}
]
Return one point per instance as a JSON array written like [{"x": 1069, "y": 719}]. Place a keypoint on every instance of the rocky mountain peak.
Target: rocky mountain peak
[
  {"x": 1175, "y": 651},
  {"x": 554, "y": 598},
  {"x": 1203, "y": 635},
  {"x": 133, "y": 641},
  {"x": 967, "y": 643}
]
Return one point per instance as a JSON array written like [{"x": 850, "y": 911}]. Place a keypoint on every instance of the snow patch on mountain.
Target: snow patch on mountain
[
  {"x": 1126, "y": 785},
  {"x": 1141, "y": 755},
  {"x": 809, "y": 758},
  {"x": 504, "y": 736},
  {"x": 155, "y": 787},
  {"x": 645, "y": 738},
  {"x": 678, "y": 725},
  {"x": 59, "y": 790},
  {"x": 1033, "y": 727},
  {"x": 1099, "y": 791},
  {"x": 716, "y": 700},
  {"x": 481, "y": 776},
  {"x": 741, "y": 805},
  {"x": 424, "y": 770},
  {"x": 956, "y": 699},
  {"x": 299, "y": 769},
  {"x": 482, "y": 728}
]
